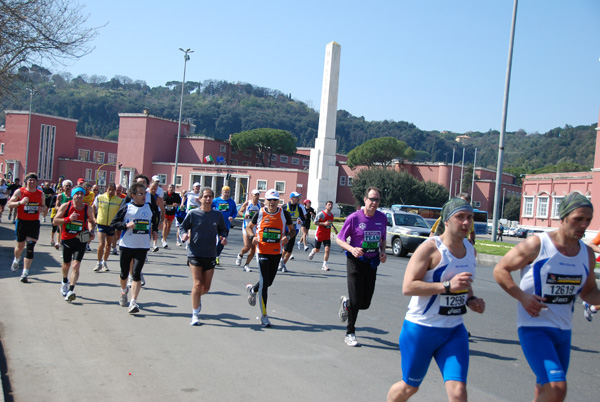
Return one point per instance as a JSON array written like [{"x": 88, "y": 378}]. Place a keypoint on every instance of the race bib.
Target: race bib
[
  {"x": 142, "y": 226},
  {"x": 31, "y": 208},
  {"x": 370, "y": 243},
  {"x": 271, "y": 235},
  {"x": 251, "y": 214},
  {"x": 560, "y": 288},
  {"x": 169, "y": 208},
  {"x": 223, "y": 207},
  {"x": 454, "y": 303},
  {"x": 74, "y": 227}
]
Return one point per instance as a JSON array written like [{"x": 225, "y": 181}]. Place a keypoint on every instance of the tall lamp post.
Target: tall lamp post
[
  {"x": 186, "y": 57},
  {"x": 31, "y": 92}
]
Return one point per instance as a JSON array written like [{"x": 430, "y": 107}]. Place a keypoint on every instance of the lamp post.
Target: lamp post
[
  {"x": 31, "y": 92},
  {"x": 503, "y": 199},
  {"x": 186, "y": 57}
]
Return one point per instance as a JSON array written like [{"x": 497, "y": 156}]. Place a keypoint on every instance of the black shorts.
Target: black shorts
[
  {"x": 27, "y": 229},
  {"x": 73, "y": 249},
  {"x": 289, "y": 247},
  {"x": 108, "y": 230},
  {"x": 3, "y": 201},
  {"x": 205, "y": 263},
  {"x": 326, "y": 243}
]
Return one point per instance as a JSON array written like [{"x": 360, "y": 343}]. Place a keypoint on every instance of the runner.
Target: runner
[
  {"x": 324, "y": 222},
  {"x": 270, "y": 222},
  {"x": 309, "y": 216},
  {"x": 555, "y": 267},
  {"x": 201, "y": 226},
  {"x": 138, "y": 221},
  {"x": 172, "y": 200},
  {"x": 248, "y": 210},
  {"x": 227, "y": 207},
  {"x": 192, "y": 197},
  {"x": 60, "y": 200},
  {"x": 180, "y": 214},
  {"x": 366, "y": 229},
  {"x": 3, "y": 196},
  {"x": 48, "y": 194},
  {"x": 158, "y": 200},
  {"x": 121, "y": 193},
  {"x": 54, "y": 210},
  {"x": 78, "y": 224},
  {"x": 437, "y": 229},
  {"x": 88, "y": 199},
  {"x": 28, "y": 201},
  {"x": 296, "y": 213},
  {"x": 589, "y": 309},
  {"x": 439, "y": 277},
  {"x": 11, "y": 190},
  {"x": 107, "y": 205}
]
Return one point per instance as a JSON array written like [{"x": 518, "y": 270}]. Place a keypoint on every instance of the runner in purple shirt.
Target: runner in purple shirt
[{"x": 365, "y": 249}]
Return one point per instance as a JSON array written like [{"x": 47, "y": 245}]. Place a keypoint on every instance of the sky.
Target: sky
[{"x": 439, "y": 64}]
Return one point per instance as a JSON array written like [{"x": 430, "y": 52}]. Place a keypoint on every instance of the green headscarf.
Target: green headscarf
[
  {"x": 571, "y": 202},
  {"x": 453, "y": 206}
]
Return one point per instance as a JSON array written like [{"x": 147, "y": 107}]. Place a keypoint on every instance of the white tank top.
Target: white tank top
[
  {"x": 251, "y": 210},
  {"x": 556, "y": 277},
  {"x": 443, "y": 310},
  {"x": 140, "y": 235}
]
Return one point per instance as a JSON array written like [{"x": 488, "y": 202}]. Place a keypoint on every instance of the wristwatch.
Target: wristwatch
[{"x": 447, "y": 286}]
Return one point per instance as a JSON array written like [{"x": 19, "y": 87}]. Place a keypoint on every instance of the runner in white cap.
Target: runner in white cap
[{"x": 248, "y": 210}]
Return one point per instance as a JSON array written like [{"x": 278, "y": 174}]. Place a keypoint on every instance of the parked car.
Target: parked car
[
  {"x": 522, "y": 233},
  {"x": 405, "y": 231},
  {"x": 511, "y": 232}
]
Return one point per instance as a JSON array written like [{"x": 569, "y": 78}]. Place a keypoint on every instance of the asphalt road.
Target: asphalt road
[{"x": 93, "y": 350}]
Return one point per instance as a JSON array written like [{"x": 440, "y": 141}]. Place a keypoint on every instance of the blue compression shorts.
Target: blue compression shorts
[
  {"x": 547, "y": 351},
  {"x": 448, "y": 346}
]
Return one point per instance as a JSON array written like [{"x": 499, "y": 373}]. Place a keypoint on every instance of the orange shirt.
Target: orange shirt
[{"x": 270, "y": 229}]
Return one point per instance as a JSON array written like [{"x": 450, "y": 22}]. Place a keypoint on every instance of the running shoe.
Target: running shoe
[
  {"x": 238, "y": 260},
  {"x": 64, "y": 288},
  {"x": 325, "y": 267},
  {"x": 283, "y": 267},
  {"x": 24, "y": 278},
  {"x": 218, "y": 262},
  {"x": 70, "y": 296},
  {"x": 311, "y": 255},
  {"x": 98, "y": 266},
  {"x": 251, "y": 295},
  {"x": 179, "y": 244},
  {"x": 44, "y": 220},
  {"x": 299, "y": 245},
  {"x": 587, "y": 312},
  {"x": 87, "y": 247},
  {"x": 57, "y": 245},
  {"x": 195, "y": 320},
  {"x": 247, "y": 268},
  {"x": 129, "y": 281},
  {"x": 115, "y": 251},
  {"x": 14, "y": 266},
  {"x": 104, "y": 267},
  {"x": 154, "y": 249},
  {"x": 350, "y": 340},
  {"x": 292, "y": 257},
  {"x": 164, "y": 244},
  {"x": 52, "y": 242},
  {"x": 133, "y": 307},
  {"x": 305, "y": 248},
  {"x": 123, "y": 299},
  {"x": 264, "y": 321},
  {"x": 343, "y": 309}
]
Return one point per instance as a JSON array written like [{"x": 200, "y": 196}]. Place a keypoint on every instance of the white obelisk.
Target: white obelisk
[{"x": 323, "y": 171}]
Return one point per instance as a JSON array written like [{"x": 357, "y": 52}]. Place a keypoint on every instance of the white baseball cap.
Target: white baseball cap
[
  {"x": 272, "y": 194},
  {"x": 156, "y": 178},
  {"x": 255, "y": 191},
  {"x": 196, "y": 184}
]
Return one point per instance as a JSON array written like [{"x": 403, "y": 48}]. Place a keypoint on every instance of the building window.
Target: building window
[
  {"x": 234, "y": 151},
  {"x": 246, "y": 163},
  {"x": 274, "y": 158},
  {"x": 542, "y": 207},
  {"x": 261, "y": 185},
  {"x": 223, "y": 148},
  {"x": 555, "y": 204},
  {"x": 283, "y": 159},
  {"x": 476, "y": 204},
  {"x": 528, "y": 206},
  {"x": 84, "y": 155},
  {"x": 248, "y": 152},
  {"x": 280, "y": 186},
  {"x": 233, "y": 162},
  {"x": 162, "y": 179},
  {"x": 112, "y": 177},
  {"x": 2, "y": 149},
  {"x": 258, "y": 164},
  {"x": 46, "y": 156},
  {"x": 98, "y": 157},
  {"x": 178, "y": 180},
  {"x": 101, "y": 178},
  {"x": 112, "y": 158},
  {"x": 349, "y": 181},
  {"x": 342, "y": 180},
  {"x": 305, "y": 162},
  {"x": 88, "y": 175},
  {"x": 295, "y": 161}
]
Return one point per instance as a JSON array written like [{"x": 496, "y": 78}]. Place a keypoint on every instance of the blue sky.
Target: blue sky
[{"x": 439, "y": 64}]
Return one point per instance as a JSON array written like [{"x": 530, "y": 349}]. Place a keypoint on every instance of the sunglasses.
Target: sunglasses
[{"x": 374, "y": 199}]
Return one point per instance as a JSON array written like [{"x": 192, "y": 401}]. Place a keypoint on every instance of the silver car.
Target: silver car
[{"x": 405, "y": 231}]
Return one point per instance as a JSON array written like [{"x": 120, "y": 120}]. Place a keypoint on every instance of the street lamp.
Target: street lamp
[
  {"x": 186, "y": 57},
  {"x": 31, "y": 92}
]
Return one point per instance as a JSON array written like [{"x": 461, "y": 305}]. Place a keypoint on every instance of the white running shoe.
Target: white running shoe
[
  {"x": 251, "y": 295},
  {"x": 104, "y": 267},
  {"x": 350, "y": 340},
  {"x": 64, "y": 288},
  {"x": 292, "y": 257},
  {"x": 24, "y": 278},
  {"x": 343, "y": 309},
  {"x": 299, "y": 245},
  {"x": 98, "y": 266},
  {"x": 14, "y": 266},
  {"x": 264, "y": 321},
  {"x": 195, "y": 320},
  {"x": 179, "y": 244},
  {"x": 123, "y": 299},
  {"x": 247, "y": 268},
  {"x": 70, "y": 296},
  {"x": 133, "y": 307},
  {"x": 283, "y": 267},
  {"x": 311, "y": 255},
  {"x": 325, "y": 267},
  {"x": 238, "y": 260},
  {"x": 306, "y": 248},
  {"x": 587, "y": 312},
  {"x": 164, "y": 244},
  {"x": 154, "y": 249}
]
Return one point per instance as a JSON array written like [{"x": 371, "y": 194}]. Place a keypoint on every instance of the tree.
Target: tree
[
  {"x": 512, "y": 208},
  {"x": 266, "y": 141},
  {"x": 34, "y": 30},
  {"x": 379, "y": 151}
]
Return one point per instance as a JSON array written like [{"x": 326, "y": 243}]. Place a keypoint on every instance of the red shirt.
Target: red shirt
[
  {"x": 31, "y": 211},
  {"x": 72, "y": 229}
]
